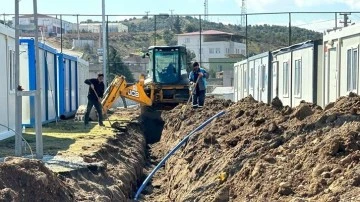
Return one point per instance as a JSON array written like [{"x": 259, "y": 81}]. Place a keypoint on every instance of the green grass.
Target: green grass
[{"x": 66, "y": 137}]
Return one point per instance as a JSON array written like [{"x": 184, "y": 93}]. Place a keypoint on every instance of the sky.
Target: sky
[{"x": 139, "y": 7}]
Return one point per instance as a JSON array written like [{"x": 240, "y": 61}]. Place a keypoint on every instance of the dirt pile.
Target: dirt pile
[
  {"x": 113, "y": 173},
  {"x": 262, "y": 152},
  {"x": 124, "y": 157},
  {"x": 29, "y": 180}
]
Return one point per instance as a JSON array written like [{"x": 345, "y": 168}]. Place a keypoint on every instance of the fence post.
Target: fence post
[
  {"x": 335, "y": 20},
  {"x": 61, "y": 33},
  {"x": 154, "y": 30},
  {"x": 289, "y": 29},
  {"x": 246, "y": 35},
  {"x": 107, "y": 49},
  {"x": 200, "y": 38},
  {"x": 78, "y": 26}
]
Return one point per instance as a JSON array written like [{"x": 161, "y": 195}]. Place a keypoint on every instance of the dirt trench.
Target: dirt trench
[{"x": 114, "y": 175}]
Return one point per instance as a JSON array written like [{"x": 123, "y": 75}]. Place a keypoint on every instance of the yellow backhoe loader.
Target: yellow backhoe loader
[{"x": 166, "y": 85}]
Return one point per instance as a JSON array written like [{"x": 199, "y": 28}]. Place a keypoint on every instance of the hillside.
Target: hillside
[{"x": 141, "y": 34}]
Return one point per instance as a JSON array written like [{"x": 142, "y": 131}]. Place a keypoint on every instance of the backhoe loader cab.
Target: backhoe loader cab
[
  {"x": 167, "y": 83},
  {"x": 167, "y": 64}
]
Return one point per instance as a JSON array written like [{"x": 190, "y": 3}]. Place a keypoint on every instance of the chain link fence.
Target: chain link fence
[{"x": 217, "y": 41}]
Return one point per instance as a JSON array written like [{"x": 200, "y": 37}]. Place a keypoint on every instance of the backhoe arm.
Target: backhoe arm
[{"x": 118, "y": 87}]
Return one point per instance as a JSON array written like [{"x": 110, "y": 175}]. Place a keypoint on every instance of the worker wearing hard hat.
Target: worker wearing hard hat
[{"x": 199, "y": 76}]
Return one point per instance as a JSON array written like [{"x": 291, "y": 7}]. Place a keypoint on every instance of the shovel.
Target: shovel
[
  {"x": 100, "y": 103},
  {"x": 182, "y": 117}
]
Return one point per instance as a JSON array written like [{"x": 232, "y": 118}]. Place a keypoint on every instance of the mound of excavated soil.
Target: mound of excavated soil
[
  {"x": 124, "y": 159},
  {"x": 29, "y": 180},
  {"x": 114, "y": 175},
  {"x": 262, "y": 152}
]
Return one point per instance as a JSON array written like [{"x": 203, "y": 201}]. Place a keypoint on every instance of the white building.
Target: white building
[
  {"x": 341, "y": 62},
  {"x": 214, "y": 44},
  {"x": 46, "y": 23},
  {"x": 97, "y": 27},
  {"x": 7, "y": 81}
]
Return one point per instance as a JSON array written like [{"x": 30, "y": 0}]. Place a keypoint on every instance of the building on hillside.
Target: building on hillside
[
  {"x": 223, "y": 68},
  {"x": 137, "y": 65},
  {"x": 47, "y": 24},
  {"x": 214, "y": 44},
  {"x": 96, "y": 27}
]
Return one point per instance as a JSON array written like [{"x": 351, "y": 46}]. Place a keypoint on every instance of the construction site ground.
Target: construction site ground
[
  {"x": 254, "y": 152},
  {"x": 79, "y": 164}
]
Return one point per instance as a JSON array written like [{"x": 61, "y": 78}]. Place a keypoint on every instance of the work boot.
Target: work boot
[{"x": 101, "y": 124}]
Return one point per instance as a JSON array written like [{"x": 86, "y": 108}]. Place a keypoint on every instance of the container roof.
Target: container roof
[
  {"x": 222, "y": 90},
  {"x": 207, "y": 32}
]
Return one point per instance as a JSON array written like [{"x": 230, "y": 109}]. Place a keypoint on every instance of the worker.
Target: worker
[
  {"x": 200, "y": 88},
  {"x": 96, "y": 92}
]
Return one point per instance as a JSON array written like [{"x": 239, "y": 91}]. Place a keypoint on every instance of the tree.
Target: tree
[
  {"x": 168, "y": 37},
  {"x": 191, "y": 28},
  {"x": 190, "y": 55},
  {"x": 177, "y": 25},
  {"x": 117, "y": 67}
]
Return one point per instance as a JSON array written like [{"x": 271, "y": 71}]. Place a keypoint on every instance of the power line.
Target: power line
[{"x": 313, "y": 23}]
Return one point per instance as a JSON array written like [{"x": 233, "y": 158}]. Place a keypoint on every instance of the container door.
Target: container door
[
  {"x": 331, "y": 79},
  {"x": 275, "y": 79}
]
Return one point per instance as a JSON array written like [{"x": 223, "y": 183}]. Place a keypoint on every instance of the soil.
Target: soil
[
  {"x": 29, "y": 180},
  {"x": 254, "y": 152},
  {"x": 115, "y": 172},
  {"x": 261, "y": 152}
]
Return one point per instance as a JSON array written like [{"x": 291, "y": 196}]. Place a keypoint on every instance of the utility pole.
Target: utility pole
[
  {"x": 147, "y": 16},
  {"x": 243, "y": 12},
  {"x": 206, "y": 10},
  {"x": 346, "y": 18},
  {"x": 38, "y": 122},
  {"x": 78, "y": 26}
]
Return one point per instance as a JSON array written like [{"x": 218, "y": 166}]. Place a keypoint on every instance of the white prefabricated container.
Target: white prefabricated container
[
  {"x": 259, "y": 76},
  {"x": 48, "y": 73},
  {"x": 296, "y": 73},
  {"x": 341, "y": 62},
  {"x": 68, "y": 92},
  {"x": 241, "y": 79},
  {"x": 7, "y": 81},
  {"x": 62, "y": 82}
]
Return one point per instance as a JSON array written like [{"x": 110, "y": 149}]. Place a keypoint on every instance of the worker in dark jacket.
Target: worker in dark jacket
[
  {"x": 199, "y": 93},
  {"x": 96, "y": 92}
]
